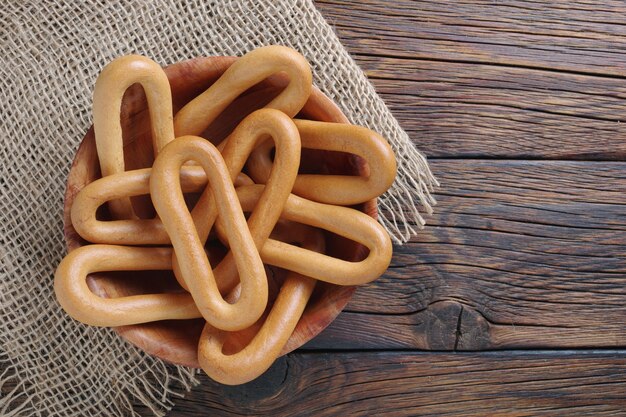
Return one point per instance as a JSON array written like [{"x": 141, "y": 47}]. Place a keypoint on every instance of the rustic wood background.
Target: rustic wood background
[{"x": 512, "y": 301}]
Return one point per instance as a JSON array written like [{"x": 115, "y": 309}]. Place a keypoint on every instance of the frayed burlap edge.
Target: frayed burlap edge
[{"x": 154, "y": 391}]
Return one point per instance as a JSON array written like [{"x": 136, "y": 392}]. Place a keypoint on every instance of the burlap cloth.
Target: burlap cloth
[{"x": 51, "y": 53}]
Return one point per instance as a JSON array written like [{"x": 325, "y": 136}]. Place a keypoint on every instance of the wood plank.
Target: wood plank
[
  {"x": 410, "y": 383},
  {"x": 467, "y": 110},
  {"x": 578, "y": 36},
  {"x": 523, "y": 254},
  {"x": 454, "y": 99}
]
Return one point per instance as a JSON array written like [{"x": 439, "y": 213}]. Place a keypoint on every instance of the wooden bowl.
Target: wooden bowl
[{"x": 177, "y": 341}]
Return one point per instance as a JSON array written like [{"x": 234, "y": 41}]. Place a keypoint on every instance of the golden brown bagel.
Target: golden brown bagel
[
  {"x": 270, "y": 335},
  {"x": 335, "y": 189},
  {"x": 250, "y": 69},
  {"x": 111, "y": 84},
  {"x": 195, "y": 268}
]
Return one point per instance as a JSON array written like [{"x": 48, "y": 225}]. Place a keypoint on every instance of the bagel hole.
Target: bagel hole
[
  {"x": 103, "y": 213},
  {"x": 254, "y": 98},
  {"x": 344, "y": 248},
  {"x": 236, "y": 341},
  {"x": 142, "y": 207},
  {"x": 138, "y": 142},
  {"x": 127, "y": 283},
  {"x": 316, "y": 161},
  {"x": 136, "y": 129}
]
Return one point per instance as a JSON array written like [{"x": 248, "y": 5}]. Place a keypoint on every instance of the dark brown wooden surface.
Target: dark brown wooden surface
[
  {"x": 521, "y": 254},
  {"x": 519, "y": 107},
  {"x": 509, "y": 79},
  {"x": 408, "y": 384}
]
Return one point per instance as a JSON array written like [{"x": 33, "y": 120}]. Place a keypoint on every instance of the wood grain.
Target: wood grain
[
  {"x": 590, "y": 34},
  {"x": 495, "y": 79},
  {"x": 409, "y": 383},
  {"x": 519, "y": 254}
]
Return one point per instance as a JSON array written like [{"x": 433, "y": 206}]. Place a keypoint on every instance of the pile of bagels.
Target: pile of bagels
[{"x": 251, "y": 196}]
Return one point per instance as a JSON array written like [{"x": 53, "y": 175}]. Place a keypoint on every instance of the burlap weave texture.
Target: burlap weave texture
[{"x": 50, "y": 55}]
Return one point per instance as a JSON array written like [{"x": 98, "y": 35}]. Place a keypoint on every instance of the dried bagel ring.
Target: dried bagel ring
[
  {"x": 344, "y": 221},
  {"x": 250, "y": 69},
  {"x": 195, "y": 268},
  {"x": 81, "y": 303},
  {"x": 263, "y": 342},
  {"x": 123, "y": 185},
  {"x": 111, "y": 84},
  {"x": 341, "y": 190}
]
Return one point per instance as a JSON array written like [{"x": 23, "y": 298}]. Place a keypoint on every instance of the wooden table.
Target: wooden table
[{"x": 512, "y": 300}]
